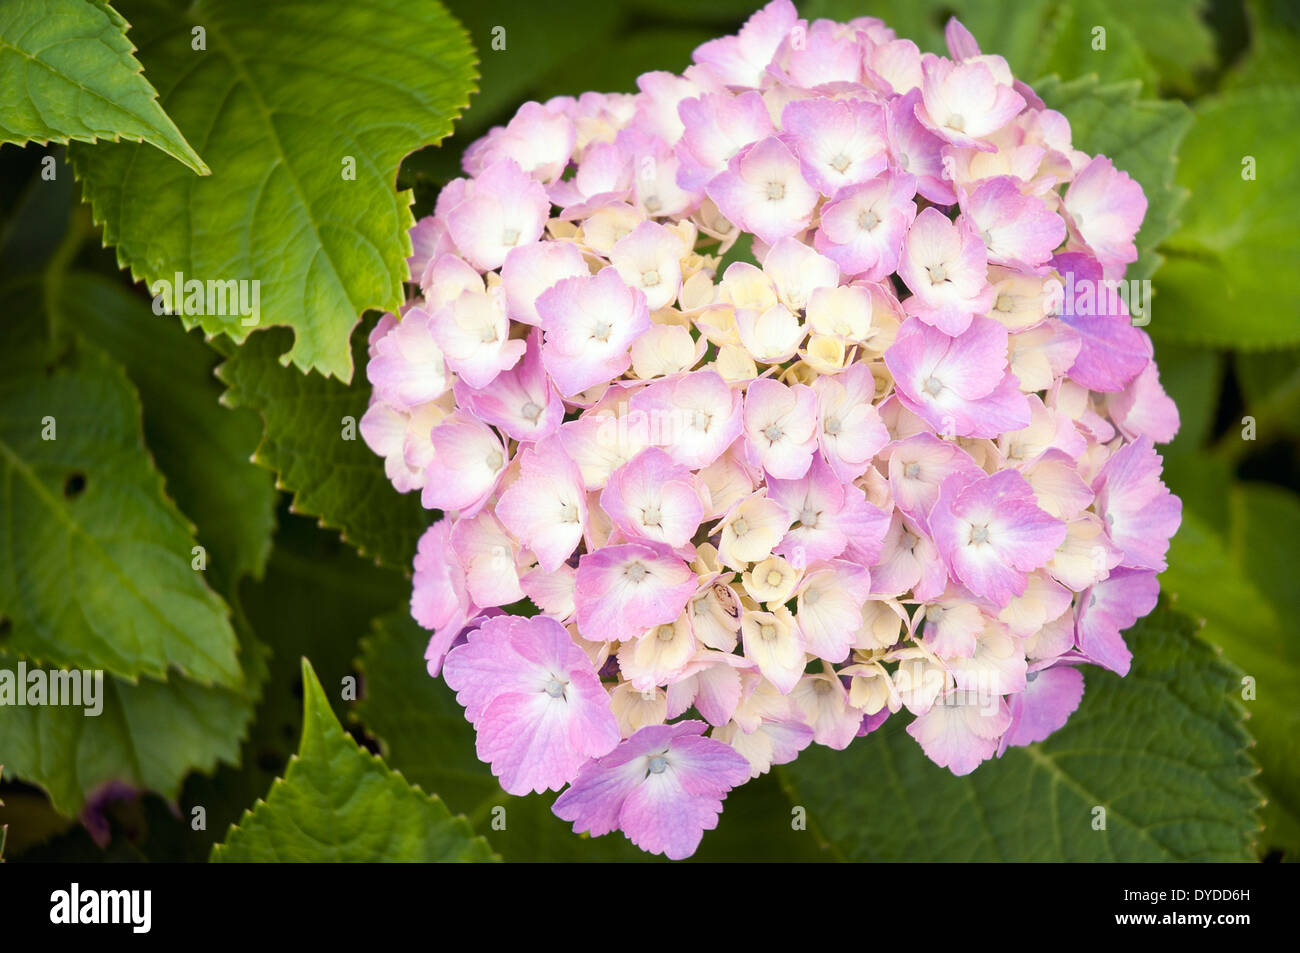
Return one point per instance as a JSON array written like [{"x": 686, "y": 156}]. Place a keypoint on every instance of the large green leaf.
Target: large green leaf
[
  {"x": 312, "y": 441},
  {"x": 68, "y": 73},
  {"x": 150, "y": 735},
  {"x": 284, "y": 100},
  {"x": 97, "y": 561},
  {"x": 317, "y": 598},
  {"x": 1241, "y": 581},
  {"x": 1161, "y": 750},
  {"x": 338, "y": 803},
  {"x": 1231, "y": 279},
  {"x": 423, "y": 731},
  {"x": 203, "y": 448},
  {"x": 1141, "y": 137}
]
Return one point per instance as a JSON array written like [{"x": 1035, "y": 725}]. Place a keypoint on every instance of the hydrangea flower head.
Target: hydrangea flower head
[{"x": 697, "y": 514}]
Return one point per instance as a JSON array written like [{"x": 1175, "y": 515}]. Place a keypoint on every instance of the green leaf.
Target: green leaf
[
  {"x": 423, "y": 731},
  {"x": 312, "y": 441},
  {"x": 149, "y": 735},
  {"x": 203, "y": 448},
  {"x": 68, "y": 73},
  {"x": 1141, "y": 137},
  {"x": 338, "y": 803},
  {"x": 1241, "y": 581},
  {"x": 1170, "y": 34},
  {"x": 97, "y": 569},
  {"x": 317, "y": 598},
  {"x": 1274, "y": 54},
  {"x": 1162, "y": 750},
  {"x": 284, "y": 100},
  {"x": 1231, "y": 279},
  {"x": 1066, "y": 48}
]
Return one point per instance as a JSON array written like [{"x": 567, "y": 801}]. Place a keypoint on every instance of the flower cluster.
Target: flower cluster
[{"x": 891, "y": 467}]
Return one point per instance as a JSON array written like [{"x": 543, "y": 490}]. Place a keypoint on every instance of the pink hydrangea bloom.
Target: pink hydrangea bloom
[
  {"x": 535, "y": 701},
  {"x": 663, "y": 788},
  {"x": 898, "y": 462}
]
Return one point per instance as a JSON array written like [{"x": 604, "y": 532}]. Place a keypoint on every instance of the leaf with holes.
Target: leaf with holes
[
  {"x": 304, "y": 117},
  {"x": 203, "y": 448},
  {"x": 97, "y": 568},
  {"x": 68, "y": 73},
  {"x": 338, "y": 803},
  {"x": 1158, "y": 758}
]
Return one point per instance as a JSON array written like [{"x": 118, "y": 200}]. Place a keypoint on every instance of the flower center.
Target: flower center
[
  {"x": 555, "y": 688},
  {"x": 494, "y": 460},
  {"x": 979, "y": 534},
  {"x": 938, "y": 273},
  {"x": 649, "y": 279},
  {"x": 740, "y": 527},
  {"x": 658, "y": 765},
  {"x": 1004, "y": 303},
  {"x": 809, "y": 517},
  {"x": 510, "y": 236},
  {"x": 636, "y": 572},
  {"x": 821, "y": 686},
  {"x": 933, "y": 386},
  {"x": 832, "y": 426},
  {"x": 568, "y": 513},
  {"x": 601, "y": 331},
  {"x": 775, "y": 191},
  {"x": 957, "y": 121},
  {"x": 773, "y": 432},
  {"x": 767, "y": 631},
  {"x": 665, "y": 633},
  {"x": 650, "y": 515},
  {"x": 812, "y": 597},
  {"x": 913, "y": 470},
  {"x": 701, "y": 420},
  {"x": 841, "y": 162},
  {"x": 868, "y": 220},
  {"x": 531, "y": 411},
  {"x": 773, "y": 578}
]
